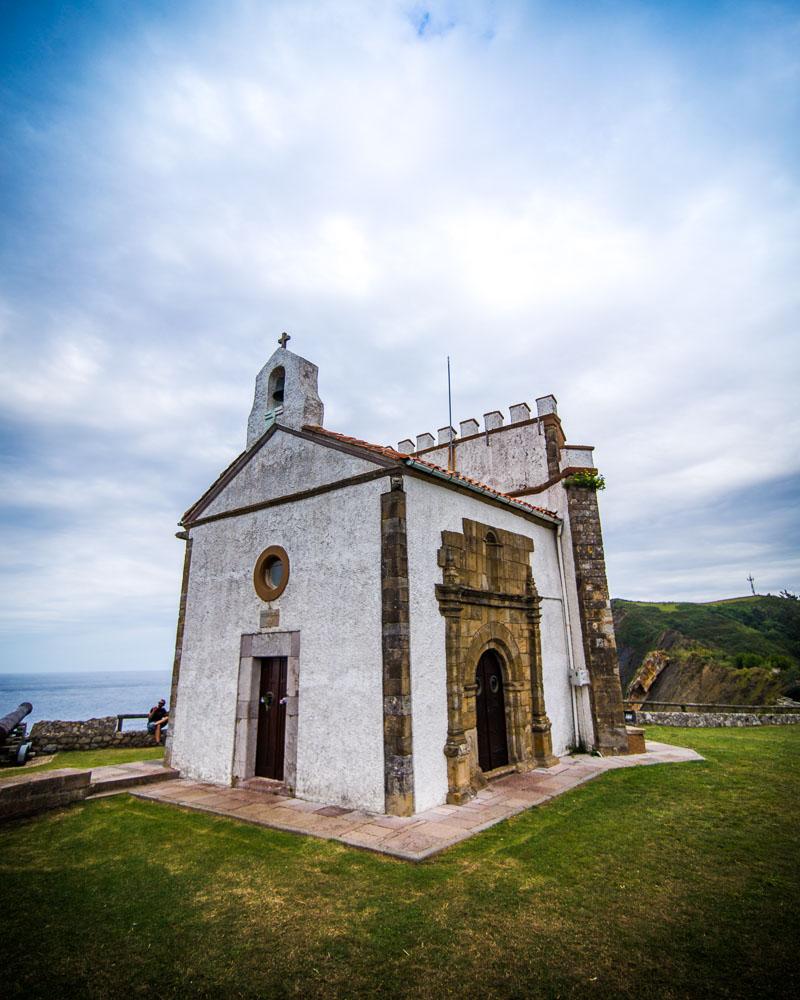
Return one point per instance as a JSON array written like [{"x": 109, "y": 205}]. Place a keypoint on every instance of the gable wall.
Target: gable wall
[
  {"x": 430, "y": 510},
  {"x": 286, "y": 464},
  {"x": 333, "y": 599}
]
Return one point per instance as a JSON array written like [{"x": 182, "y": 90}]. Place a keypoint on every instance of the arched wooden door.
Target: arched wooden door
[{"x": 490, "y": 709}]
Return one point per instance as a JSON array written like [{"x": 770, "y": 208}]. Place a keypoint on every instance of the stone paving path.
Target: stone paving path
[
  {"x": 113, "y": 778},
  {"x": 416, "y": 837}
]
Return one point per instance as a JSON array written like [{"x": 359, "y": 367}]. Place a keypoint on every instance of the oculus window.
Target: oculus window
[{"x": 271, "y": 573}]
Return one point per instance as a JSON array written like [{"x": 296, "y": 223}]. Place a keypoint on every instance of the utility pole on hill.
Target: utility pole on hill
[{"x": 751, "y": 581}]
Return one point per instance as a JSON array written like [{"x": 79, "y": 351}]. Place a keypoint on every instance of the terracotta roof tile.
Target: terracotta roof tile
[
  {"x": 381, "y": 449},
  {"x": 399, "y": 456}
]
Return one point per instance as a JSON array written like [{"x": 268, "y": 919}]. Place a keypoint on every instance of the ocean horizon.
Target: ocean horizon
[{"x": 72, "y": 696}]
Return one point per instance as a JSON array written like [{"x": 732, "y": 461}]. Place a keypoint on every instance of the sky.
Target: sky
[{"x": 599, "y": 201}]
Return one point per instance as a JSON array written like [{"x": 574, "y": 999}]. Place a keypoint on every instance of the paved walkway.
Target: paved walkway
[
  {"x": 416, "y": 837},
  {"x": 113, "y": 778}
]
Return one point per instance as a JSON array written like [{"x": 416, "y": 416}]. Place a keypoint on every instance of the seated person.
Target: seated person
[{"x": 157, "y": 719}]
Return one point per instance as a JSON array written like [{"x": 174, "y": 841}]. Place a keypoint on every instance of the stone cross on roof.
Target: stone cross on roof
[{"x": 284, "y": 339}]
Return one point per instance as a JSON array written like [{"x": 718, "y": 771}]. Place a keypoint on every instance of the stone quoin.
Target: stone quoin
[{"x": 388, "y": 629}]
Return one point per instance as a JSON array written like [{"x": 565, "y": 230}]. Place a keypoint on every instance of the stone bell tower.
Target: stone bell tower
[{"x": 286, "y": 393}]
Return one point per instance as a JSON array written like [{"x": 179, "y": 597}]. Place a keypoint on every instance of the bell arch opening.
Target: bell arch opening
[{"x": 276, "y": 387}]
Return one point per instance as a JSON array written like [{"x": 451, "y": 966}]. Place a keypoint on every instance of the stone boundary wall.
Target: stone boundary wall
[
  {"x": 701, "y": 720},
  {"x": 93, "y": 734}
]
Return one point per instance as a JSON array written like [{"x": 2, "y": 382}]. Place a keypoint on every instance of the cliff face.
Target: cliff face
[
  {"x": 729, "y": 652},
  {"x": 693, "y": 675},
  {"x": 699, "y": 679},
  {"x": 647, "y": 674}
]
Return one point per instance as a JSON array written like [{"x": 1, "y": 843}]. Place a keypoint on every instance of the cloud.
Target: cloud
[{"x": 599, "y": 203}]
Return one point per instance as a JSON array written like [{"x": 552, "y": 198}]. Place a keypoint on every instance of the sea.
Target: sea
[{"x": 85, "y": 695}]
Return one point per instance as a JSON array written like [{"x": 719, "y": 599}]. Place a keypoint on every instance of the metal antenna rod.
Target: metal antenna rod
[{"x": 451, "y": 465}]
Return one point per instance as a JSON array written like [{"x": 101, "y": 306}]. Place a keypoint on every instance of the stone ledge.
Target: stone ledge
[
  {"x": 26, "y": 795},
  {"x": 121, "y": 778}
]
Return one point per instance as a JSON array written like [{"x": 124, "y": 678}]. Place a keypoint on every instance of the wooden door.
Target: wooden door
[
  {"x": 271, "y": 718},
  {"x": 491, "y": 713}
]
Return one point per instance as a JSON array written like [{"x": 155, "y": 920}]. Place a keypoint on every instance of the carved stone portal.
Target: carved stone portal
[{"x": 489, "y": 601}]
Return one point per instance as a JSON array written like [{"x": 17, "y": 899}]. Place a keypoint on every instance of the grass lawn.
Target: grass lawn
[
  {"x": 668, "y": 881},
  {"x": 86, "y": 758}
]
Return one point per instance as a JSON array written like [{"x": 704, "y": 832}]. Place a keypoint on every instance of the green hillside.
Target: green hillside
[{"x": 745, "y": 632}]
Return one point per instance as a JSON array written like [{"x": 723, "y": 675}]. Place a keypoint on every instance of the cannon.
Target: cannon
[{"x": 15, "y": 748}]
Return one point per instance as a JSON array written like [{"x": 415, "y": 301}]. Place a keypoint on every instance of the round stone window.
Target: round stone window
[{"x": 271, "y": 573}]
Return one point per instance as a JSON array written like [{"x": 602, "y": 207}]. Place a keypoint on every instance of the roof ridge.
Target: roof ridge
[
  {"x": 382, "y": 449},
  {"x": 390, "y": 452}
]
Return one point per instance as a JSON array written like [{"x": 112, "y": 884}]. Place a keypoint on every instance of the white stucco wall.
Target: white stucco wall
[
  {"x": 286, "y": 464},
  {"x": 430, "y": 510},
  {"x": 515, "y": 458},
  {"x": 333, "y": 599},
  {"x": 577, "y": 458},
  {"x": 555, "y": 499},
  {"x": 508, "y": 460}
]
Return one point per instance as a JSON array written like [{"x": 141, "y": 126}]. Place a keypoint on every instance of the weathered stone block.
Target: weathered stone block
[{"x": 635, "y": 740}]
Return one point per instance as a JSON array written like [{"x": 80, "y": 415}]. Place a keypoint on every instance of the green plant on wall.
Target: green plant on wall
[{"x": 586, "y": 480}]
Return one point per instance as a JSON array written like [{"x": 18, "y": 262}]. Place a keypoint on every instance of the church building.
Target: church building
[{"x": 388, "y": 629}]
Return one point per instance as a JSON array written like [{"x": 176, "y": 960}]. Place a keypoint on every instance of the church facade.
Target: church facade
[{"x": 389, "y": 628}]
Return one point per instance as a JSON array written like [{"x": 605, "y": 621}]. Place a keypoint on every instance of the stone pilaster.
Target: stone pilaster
[
  {"x": 597, "y": 625},
  {"x": 397, "y": 745},
  {"x": 456, "y": 748},
  {"x": 176, "y": 662},
  {"x": 540, "y": 723}
]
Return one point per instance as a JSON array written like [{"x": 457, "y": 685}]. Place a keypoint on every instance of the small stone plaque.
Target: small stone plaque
[{"x": 270, "y": 618}]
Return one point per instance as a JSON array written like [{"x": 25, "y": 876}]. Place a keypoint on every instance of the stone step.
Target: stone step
[
  {"x": 265, "y": 786},
  {"x": 108, "y": 782}
]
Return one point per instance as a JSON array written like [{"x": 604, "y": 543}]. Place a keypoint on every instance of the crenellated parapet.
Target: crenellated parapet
[
  {"x": 511, "y": 450},
  {"x": 493, "y": 420}
]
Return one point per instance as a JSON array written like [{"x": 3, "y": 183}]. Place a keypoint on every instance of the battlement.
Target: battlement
[
  {"x": 516, "y": 452},
  {"x": 493, "y": 421}
]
